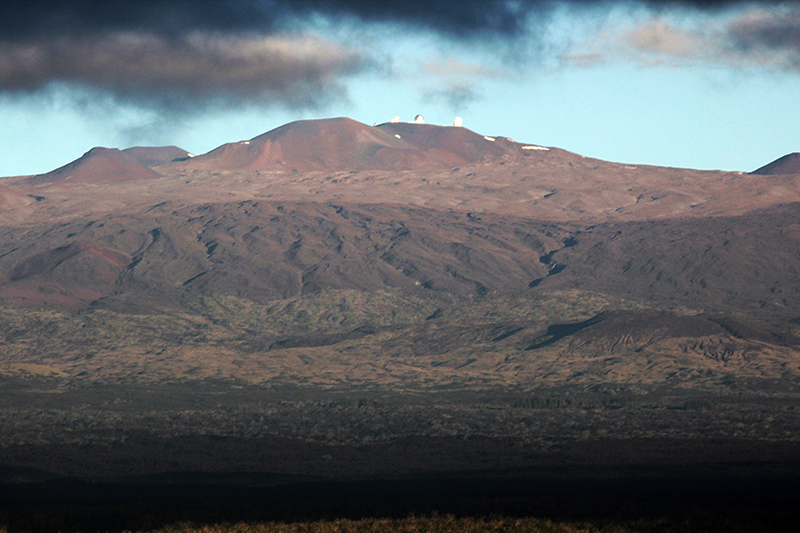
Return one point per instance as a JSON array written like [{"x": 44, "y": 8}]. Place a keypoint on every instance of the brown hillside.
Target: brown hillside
[
  {"x": 153, "y": 156},
  {"x": 10, "y": 199},
  {"x": 332, "y": 144},
  {"x": 98, "y": 166},
  {"x": 352, "y": 286},
  {"x": 344, "y": 144},
  {"x": 511, "y": 224},
  {"x": 65, "y": 276},
  {"x": 616, "y": 332},
  {"x": 788, "y": 164},
  {"x": 454, "y": 146},
  {"x": 734, "y": 264},
  {"x": 265, "y": 251}
]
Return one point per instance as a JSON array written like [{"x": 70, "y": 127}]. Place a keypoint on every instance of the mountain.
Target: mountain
[
  {"x": 455, "y": 146},
  {"x": 344, "y": 144},
  {"x": 153, "y": 156},
  {"x": 481, "y": 216},
  {"x": 788, "y": 164},
  {"x": 431, "y": 289},
  {"x": 473, "y": 302},
  {"x": 98, "y": 166}
]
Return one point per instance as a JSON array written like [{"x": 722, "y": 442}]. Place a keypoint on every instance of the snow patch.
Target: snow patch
[
  {"x": 488, "y": 138},
  {"x": 245, "y": 142},
  {"x": 532, "y": 147},
  {"x": 396, "y": 135}
]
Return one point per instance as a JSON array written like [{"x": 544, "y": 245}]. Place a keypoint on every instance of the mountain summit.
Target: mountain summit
[
  {"x": 98, "y": 166},
  {"x": 788, "y": 164},
  {"x": 153, "y": 156},
  {"x": 345, "y": 144}
]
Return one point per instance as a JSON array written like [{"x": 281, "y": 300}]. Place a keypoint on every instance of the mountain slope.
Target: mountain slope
[
  {"x": 344, "y": 144},
  {"x": 153, "y": 156},
  {"x": 453, "y": 146},
  {"x": 788, "y": 164},
  {"x": 514, "y": 223},
  {"x": 98, "y": 166},
  {"x": 733, "y": 264},
  {"x": 71, "y": 275},
  {"x": 361, "y": 288}
]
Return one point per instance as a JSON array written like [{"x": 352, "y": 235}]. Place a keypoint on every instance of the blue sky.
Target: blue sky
[{"x": 667, "y": 84}]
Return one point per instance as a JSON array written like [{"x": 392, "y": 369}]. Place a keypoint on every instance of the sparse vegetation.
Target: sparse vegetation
[
  {"x": 308, "y": 333},
  {"x": 537, "y": 513},
  {"x": 343, "y": 369}
]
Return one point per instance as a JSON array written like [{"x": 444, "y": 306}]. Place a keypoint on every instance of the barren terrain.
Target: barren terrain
[{"x": 340, "y": 301}]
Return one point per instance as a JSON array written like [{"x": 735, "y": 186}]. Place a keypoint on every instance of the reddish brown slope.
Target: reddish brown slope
[
  {"x": 68, "y": 275},
  {"x": 331, "y": 144},
  {"x": 98, "y": 166},
  {"x": 344, "y": 144},
  {"x": 9, "y": 198},
  {"x": 451, "y": 146},
  {"x": 743, "y": 264},
  {"x": 788, "y": 164},
  {"x": 153, "y": 156}
]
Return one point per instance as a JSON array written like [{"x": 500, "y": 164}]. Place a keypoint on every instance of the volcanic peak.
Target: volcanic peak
[
  {"x": 98, "y": 166},
  {"x": 153, "y": 156},
  {"x": 345, "y": 144},
  {"x": 788, "y": 164}
]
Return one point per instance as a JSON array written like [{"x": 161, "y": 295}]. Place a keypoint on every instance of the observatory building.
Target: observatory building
[{"x": 419, "y": 119}]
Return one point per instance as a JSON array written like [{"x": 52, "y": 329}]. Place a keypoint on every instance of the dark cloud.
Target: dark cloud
[
  {"x": 185, "y": 72},
  {"x": 35, "y": 18},
  {"x": 180, "y": 53},
  {"x": 774, "y": 35},
  {"x": 463, "y": 18},
  {"x": 755, "y": 38}
]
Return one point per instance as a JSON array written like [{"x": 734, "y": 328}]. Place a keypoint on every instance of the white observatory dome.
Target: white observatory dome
[{"x": 419, "y": 119}]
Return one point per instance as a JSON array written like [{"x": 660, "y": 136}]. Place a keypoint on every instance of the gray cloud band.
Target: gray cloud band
[
  {"x": 464, "y": 18},
  {"x": 180, "y": 53},
  {"x": 775, "y": 35},
  {"x": 757, "y": 38},
  {"x": 186, "y": 71}
]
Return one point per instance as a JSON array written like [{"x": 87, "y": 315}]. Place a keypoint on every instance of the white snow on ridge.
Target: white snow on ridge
[
  {"x": 532, "y": 147},
  {"x": 488, "y": 138}
]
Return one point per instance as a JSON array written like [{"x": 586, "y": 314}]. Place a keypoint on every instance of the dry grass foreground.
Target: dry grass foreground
[
  {"x": 444, "y": 524},
  {"x": 439, "y": 524},
  {"x": 453, "y": 524}
]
